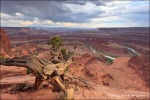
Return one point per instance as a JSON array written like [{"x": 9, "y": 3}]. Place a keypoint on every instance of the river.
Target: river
[
  {"x": 132, "y": 51},
  {"x": 96, "y": 50}
]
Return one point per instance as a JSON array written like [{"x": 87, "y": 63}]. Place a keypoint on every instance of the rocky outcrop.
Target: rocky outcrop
[
  {"x": 118, "y": 75},
  {"x": 5, "y": 43},
  {"x": 142, "y": 66},
  {"x": 12, "y": 71}
]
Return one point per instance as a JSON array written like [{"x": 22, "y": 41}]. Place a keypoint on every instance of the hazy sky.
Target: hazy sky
[{"x": 77, "y": 13}]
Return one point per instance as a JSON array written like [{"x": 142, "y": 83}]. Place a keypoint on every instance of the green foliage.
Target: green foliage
[
  {"x": 66, "y": 54},
  {"x": 110, "y": 61},
  {"x": 63, "y": 51},
  {"x": 29, "y": 71},
  {"x": 69, "y": 54},
  {"x": 2, "y": 57},
  {"x": 56, "y": 42}
]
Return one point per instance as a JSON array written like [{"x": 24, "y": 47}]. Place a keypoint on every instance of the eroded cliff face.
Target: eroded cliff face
[
  {"x": 142, "y": 66},
  {"x": 117, "y": 75},
  {"x": 5, "y": 44}
]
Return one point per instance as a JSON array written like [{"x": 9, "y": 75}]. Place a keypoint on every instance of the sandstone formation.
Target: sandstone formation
[
  {"x": 118, "y": 75},
  {"x": 141, "y": 65},
  {"x": 5, "y": 43}
]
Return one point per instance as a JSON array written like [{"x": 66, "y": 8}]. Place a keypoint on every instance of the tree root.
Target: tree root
[{"x": 77, "y": 80}]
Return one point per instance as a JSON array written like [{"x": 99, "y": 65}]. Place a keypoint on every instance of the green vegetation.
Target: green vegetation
[
  {"x": 109, "y": 60},
  {"x": 63, "y": 51},
  {"x": 2, "y": 57},
  {"x": 29, "y": 71},
  {"x": 66, "y": 54},
  {"x": 58, "y": 52},
  {"x": 56, "y": 42}
]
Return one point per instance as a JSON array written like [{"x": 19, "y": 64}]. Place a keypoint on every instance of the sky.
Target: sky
[{"x": 75, "y": 13}]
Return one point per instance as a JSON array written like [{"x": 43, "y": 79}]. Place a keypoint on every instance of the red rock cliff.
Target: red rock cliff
[
  {"x": 5, "y": 42},
  {"x": 142, "y": 66}
]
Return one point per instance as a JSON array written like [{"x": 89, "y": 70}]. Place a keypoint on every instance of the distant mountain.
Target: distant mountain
[
  {"x": 24, "y": 31},
  {"x": 68, "y": 29},
  {"x": 125, "y": 29}
]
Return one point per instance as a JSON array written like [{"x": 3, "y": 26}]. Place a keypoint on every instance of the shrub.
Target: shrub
[
  {"x": 56, "y": 42},
  {"x": 29, "y": 71},
  {"x": 110, "y": 61},
  {"x": 66, "y": 54},
  {"x": 2, "y": 57}
]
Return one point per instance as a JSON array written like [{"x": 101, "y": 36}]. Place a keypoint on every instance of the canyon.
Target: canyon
[{"x": 115, "y": 60}]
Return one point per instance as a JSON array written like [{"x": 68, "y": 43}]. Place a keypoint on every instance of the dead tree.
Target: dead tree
[
  {"x": 41, "y": 69},
  {"x": 18, "y": 52},
  {"x": 45, "y": 70}
]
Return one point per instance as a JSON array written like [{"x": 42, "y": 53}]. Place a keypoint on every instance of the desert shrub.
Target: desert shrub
[
  {"x": 29, "y": 71},
  {"x": 63, "y": 51},
  {"x": 66, "y": 54},
  {"x": 69, "y": 54},
  {"x": 57, "y": 51},
  {"x": 56, "y": 42},
  {"x": 110, "y": 61},
  {"x": 2, "y": 57}
]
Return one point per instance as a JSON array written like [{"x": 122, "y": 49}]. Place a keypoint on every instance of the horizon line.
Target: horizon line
[{"x": 73, "y": 27}]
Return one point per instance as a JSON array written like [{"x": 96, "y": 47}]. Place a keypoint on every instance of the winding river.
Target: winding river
[
  {"x": 107, "y": 56},
  {"x": 132, "y": 51},
  {"x": 96, "y": 51}
]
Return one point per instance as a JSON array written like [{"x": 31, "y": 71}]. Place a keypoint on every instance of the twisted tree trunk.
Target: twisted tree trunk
[{"x": 40, "y": 68}]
